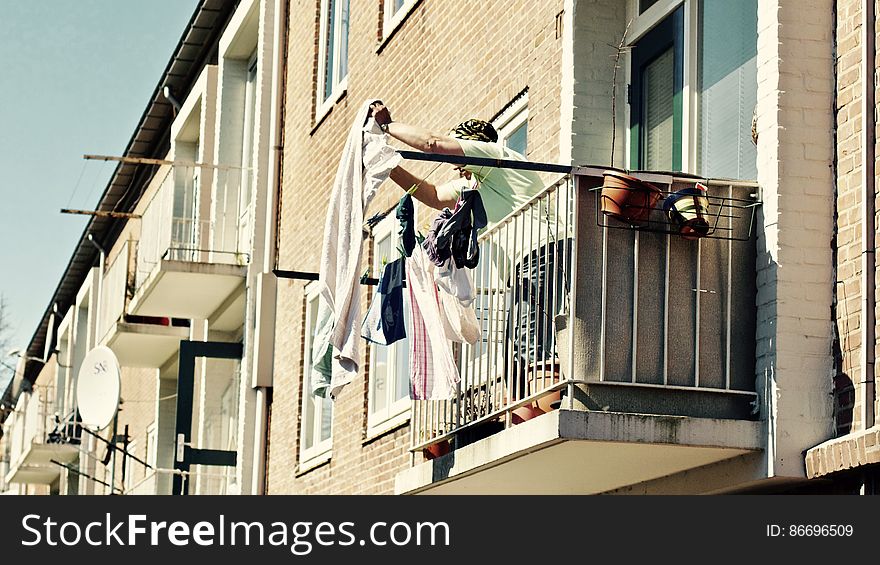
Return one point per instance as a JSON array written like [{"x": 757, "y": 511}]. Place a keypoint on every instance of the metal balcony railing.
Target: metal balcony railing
[
  {"x": 115, "y": 291},
  {"x": 31, "y": 422},
  {"x": 523, "y": 282},
  {"x": 574, "y": 313},
  {"x": 171, "y": 228}
]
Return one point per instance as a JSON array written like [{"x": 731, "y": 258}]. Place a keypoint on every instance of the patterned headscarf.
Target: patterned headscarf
[{"x": 476, "y": 130}]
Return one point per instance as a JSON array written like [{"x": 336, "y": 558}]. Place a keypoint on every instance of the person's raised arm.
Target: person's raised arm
[
  {"x": 415, "y": 136},
  {"x": 427, "y": 193}
]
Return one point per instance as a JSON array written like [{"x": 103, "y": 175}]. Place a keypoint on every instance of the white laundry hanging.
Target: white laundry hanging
[{"x": 366, "y": 162}]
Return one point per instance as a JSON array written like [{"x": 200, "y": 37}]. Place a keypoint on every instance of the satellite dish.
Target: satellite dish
[{"x": 97, "y": 388}]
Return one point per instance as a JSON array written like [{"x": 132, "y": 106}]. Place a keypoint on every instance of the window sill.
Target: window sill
[
  {"x": 396, "y": 22},
  {"x": 384, "y": 428},
  {"x": 327, "y": 106},
  {"x": 313, "y": 462}
]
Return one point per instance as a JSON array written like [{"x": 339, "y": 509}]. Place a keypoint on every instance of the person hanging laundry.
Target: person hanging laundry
[
  {"x": 366, "y": 161},
  {"x": 502, "y": 190}
]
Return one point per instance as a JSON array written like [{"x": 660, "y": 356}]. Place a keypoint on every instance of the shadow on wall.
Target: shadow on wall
[{"x": 844, "y": 390}]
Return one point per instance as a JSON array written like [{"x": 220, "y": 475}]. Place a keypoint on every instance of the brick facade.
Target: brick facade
[
  {"x": 447, "y": 61},
  {"x": 795, "y": 91}
]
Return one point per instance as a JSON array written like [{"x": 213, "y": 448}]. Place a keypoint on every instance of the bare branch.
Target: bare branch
[{"x": 619, "y": 49}]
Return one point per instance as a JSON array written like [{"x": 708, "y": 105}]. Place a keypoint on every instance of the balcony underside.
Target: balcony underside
[
  {"x": 145, "y": 345},
  {"x": 36, "y": 466},
  {"x": 184, "y": 289},
  {"x": 581, "y": 452}
]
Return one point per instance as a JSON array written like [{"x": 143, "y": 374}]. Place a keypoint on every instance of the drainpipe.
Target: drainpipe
[
  {"x": 868, "y": 188},
  {"x": 279, "y": 58}
]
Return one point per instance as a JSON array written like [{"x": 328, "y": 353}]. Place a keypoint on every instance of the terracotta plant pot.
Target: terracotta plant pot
[
  {"x": 524, "y": 413},
  {"x": 541, "y": 377},
  {"x": 688, "y": 210},
  {"x": 436, "y": 450},
  {"x": 627, "y": 198}
]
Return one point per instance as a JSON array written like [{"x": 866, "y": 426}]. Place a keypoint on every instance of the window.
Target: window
[
  {"x": 248, "y": 145},
  {"x": 332, "y": 52},
  {"x": 130, "y": 465},
  {"x": 693, "y": 88},
  {"x": 152, "y": 445},
  {"x": 389, "y": 365},
  {"x": 317, "y": 412},
  {"x": 512, "y": 124},
  {"x": 395, "y": 12}
]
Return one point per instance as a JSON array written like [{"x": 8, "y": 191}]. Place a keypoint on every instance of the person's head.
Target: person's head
[{"x": 475, "y": 130}]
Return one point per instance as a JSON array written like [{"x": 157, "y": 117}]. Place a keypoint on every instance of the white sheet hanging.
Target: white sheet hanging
[{"x": 366, "y": 162}]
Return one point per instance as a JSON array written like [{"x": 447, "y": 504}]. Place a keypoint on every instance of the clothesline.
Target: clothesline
[{"x": 312, "y": 276}]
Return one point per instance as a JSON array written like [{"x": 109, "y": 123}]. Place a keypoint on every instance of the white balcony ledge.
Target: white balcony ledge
[
  {"x": 588, "y": 452},
  {"x": 186, "y": 289},
  {"x": 144, "y": 345},
  {"x": 35, "y": 466}
]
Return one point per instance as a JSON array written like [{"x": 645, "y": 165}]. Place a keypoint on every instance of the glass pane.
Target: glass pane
[
  {"x": 384, "y": 252},
  {"x": 645, "y": 4},
  {"x": 379, "y": 380},
  {"x": 326, "y": 417},
  {"x": 518, "y": 138},
  {"x": 308, "y": 400},
  {"x": 221, "y": 405},
  {"x": 401, "y": 358},
  {"x": 343, "y": 44},
  {"x": 328, "y": 48},
  {"x": 657, "y": 79},
  {"x": 396, "y": 5},
  {"x": 728, "y": 86}
]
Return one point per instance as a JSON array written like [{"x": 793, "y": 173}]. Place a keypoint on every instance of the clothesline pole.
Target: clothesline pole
[
  {"x": 486, "y": 162},
  {"x": 310, "y": 276}
]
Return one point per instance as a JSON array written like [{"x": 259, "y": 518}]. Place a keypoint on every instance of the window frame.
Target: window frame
[
  {"x": 321, "y": 451},
  {"x": 339, "y": 85},
  {"x": 511, "y": 118},
  {"x": 128, "y": 464},
  {"x": 249, "y": 142},
  {"x": 392, "y": 20},
  {"x": 396, "y": 412},
  {"x": 643, "y": 24}
]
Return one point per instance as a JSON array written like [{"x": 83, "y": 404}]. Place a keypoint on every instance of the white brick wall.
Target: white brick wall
[{"x": 795, "y": 93}]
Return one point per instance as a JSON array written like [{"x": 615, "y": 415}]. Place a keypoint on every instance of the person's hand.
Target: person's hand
[{"x": 380, "y": 113}]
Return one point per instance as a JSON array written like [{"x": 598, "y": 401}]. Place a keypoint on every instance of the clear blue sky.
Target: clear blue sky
[{"x": 75, "y": 77}]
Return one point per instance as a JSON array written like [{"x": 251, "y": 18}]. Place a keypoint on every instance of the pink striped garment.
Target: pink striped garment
[{"x": 434, "y": 375}]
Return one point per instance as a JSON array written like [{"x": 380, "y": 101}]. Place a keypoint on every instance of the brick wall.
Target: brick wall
[
  {"x": 137, "y": 411},
  {"x": 449, "y": 60},
  {"x": 795, "y": 93},
  {"x": 848, "y": 399}
]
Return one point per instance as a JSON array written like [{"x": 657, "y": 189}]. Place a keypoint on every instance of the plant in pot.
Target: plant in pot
[
  {"x": 438, "y": 449},
  {"x": 625, "y": 197}
]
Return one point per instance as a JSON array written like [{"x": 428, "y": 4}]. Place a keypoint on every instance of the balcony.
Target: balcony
[
  {"x": 187, "y": 267},
  {"x": 641, "y": 363},
  {"x": 137, "y": 341},
  {"x": 34, "y": 445}
]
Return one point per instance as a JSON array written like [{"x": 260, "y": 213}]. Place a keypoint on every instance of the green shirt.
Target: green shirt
[{"x": 502, "y": 190}]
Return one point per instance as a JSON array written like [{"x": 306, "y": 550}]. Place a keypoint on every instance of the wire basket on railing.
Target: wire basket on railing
[{"x": 690, "y": 209}]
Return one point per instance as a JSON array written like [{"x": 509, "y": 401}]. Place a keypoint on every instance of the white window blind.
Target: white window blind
[{"x": 728, "y": 86}]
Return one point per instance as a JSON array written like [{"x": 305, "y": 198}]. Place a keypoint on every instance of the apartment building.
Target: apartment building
[
  {"x": 169, "y": 274},
  {"x": 736, "y": 359},
  {"x": 681, "y": 365}
]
